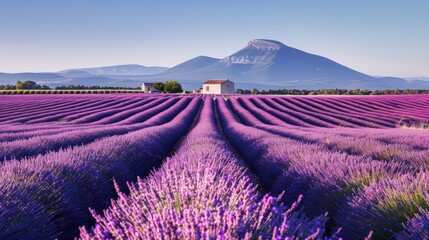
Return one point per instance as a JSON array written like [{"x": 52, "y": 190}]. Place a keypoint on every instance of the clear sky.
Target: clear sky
[{"x": 377, "y": 37}]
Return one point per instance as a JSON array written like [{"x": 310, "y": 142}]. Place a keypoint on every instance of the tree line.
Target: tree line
[
  {"x": 173, "y": 86},
  {"x": 30, "y": 85},
  {"x": 332, "y": 91},
  {"x": 96, "y": 87},
  {"x": 169, "y": 86}
]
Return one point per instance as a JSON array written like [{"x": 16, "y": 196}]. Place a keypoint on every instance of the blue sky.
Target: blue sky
[{"x": 383, "y": 37}]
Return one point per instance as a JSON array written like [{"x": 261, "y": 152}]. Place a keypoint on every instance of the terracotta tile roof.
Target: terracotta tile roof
[{"x": 216, "y": 81}]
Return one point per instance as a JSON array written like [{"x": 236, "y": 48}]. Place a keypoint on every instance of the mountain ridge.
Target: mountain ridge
[
  {"x": 123, "y": 69},
  {"x": 261, "y": 63}
]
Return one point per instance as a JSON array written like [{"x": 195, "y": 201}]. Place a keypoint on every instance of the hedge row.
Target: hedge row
[{"x": 12, "y": 92}]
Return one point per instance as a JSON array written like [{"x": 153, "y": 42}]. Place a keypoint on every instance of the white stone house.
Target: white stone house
[
  {"x": 218, "y": 86},
  {"x": 146, "y": 87}
]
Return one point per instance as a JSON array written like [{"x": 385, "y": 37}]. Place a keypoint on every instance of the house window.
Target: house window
[
  {"x": 148, "y": 88},
  {"x": 207, "y": 88}
]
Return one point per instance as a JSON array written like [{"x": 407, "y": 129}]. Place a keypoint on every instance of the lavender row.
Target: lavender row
[
  {"x": 33, "y": 107},
  {"x": 32, "y": 113},
  {"x": 266, "y": 154},
  {"x": 41, "y": 144},
  {"x": 302, "y": 116},
  {"x": 36, "y": 130},
  {"x": 296, "y": 148},
  {"x": 24, "y": 104},
  {"x": 125, "y": 119},
  {"x": 330, "y": 111},
  {"x": 393, "y": 106},
  {"x": 380, "y": 112},
  {"x": 102, "y": 109},
  {"x": 96, "y": 108},
  {"x": 403, "y": 146},
  {"x": 367, "y": 113},
  {"x": 368, "y": 142},
  {"x": 319, "y": 107},
  {"x": 202, "y": 192},
  {"x": 98, "y": 116},
  {"x": 47, "y": 196},
  {"x": 334, "y": 182},
  {"x": 328, "y": 179},
  {"x": 393, "y": 206},
  {"x": 24, "y": 128},
  {"x": 125, "y": 113},
  {"x": 324, "y": 120}
]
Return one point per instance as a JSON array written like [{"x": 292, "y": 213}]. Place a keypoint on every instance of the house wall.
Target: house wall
[
  {"x": 213, "y": 89},
  {"x": 227, "y": 87},
  {"x": 224, "y": 88},
  {"x": 147, "y": 87}
]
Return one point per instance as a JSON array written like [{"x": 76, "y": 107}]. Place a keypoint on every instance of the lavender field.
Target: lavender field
[{"x": 138, "y": 166}]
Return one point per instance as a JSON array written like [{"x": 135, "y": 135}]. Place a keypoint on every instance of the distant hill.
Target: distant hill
[
  {"x": 271, "y": 64},
  {"x": 75, "y": 73},
  {"x": 103, "y": 76},
  {"x": 261, "y": 64},
  {"x": 86, "y": 81},
  {"x": 417, "y": 79},
  {"x": 191, "y": 66},
  {"x": 12, "y": 78},
  {"x": 129, "y": 70}
]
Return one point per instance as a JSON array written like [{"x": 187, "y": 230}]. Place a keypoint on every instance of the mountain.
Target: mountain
[
  {"x": 75, "y": 74},
  {"x": 417, "y": 78},
  {"x": 191, "y": 66},
  {"x": 271, "y": 64},
  {"x": 88, "y": 81},
  {"x": 128, "y": 70},
  {"x": 261, "y": 64},
  {"x": 12, "y": 78}
]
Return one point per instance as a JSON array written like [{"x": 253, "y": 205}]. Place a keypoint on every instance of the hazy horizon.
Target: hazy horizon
[{"x": 387, "y": 38}]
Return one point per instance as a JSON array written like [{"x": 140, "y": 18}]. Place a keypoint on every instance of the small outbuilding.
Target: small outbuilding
[
  {"x": 196, "y": 91},
  {"x": 218, "y": 86},
  {"x": 146, "y": 87}
]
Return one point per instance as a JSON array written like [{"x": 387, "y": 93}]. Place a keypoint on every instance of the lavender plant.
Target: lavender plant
[
  {"x": 416, "y": 227},
  {"x": 202, "y": 192},
  {"x": 64, "y": 184},
  {"x": 384, "y": 206}
]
